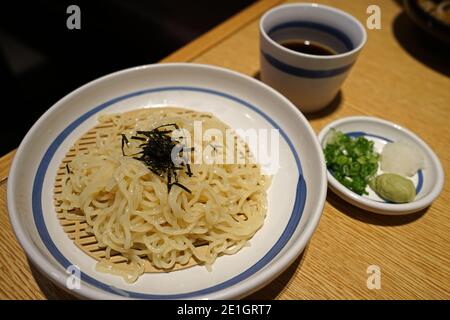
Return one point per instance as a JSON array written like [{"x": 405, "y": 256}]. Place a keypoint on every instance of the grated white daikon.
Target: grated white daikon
[{"x": 401, "y": 158}]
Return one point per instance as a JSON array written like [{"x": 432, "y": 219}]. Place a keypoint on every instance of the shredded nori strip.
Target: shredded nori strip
[
  {"x": 139, "y": 138},
  {"x": 124, "y": 142},
  {"x": 69, "y": 172},
  {"x": 189, "y": 172},
  {"x": 156, "y": 154}
]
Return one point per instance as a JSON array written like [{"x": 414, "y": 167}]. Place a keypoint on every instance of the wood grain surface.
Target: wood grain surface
[{"x": 397, "y": 77}]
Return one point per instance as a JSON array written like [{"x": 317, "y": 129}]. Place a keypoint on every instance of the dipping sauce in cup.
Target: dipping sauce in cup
[{"x": 308, "y": 47}]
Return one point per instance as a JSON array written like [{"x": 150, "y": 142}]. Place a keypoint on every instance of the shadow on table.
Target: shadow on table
[
  {"x": 370, "y": 217},
  {"x": 50, "y": 290},
  {"x": 421, "y": 46},
  {"x": 332, "y": 107},
  {"x": 274, "y": 288}
]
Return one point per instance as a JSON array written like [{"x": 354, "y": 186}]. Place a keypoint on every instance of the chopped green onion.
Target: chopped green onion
[{"x": 352, "y": 161}]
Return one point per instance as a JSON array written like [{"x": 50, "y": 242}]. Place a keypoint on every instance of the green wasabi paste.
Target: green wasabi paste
[{"x": 393, "y": 187}]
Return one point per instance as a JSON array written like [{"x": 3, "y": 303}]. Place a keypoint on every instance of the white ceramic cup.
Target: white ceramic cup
[{"x": 310, "y": 81}]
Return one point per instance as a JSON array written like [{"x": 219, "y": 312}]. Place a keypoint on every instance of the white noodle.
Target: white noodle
[{"x": 129, "y": 209}]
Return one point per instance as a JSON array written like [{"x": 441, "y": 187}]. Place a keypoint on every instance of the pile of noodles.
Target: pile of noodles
[{"x": 130, "y": 210}]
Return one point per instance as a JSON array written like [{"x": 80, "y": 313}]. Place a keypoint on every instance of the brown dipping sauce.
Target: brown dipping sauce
[{"x": 308, "y": 47}]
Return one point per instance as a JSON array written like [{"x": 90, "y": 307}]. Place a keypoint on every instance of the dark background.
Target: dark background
[{"x": 41, "y": 60}]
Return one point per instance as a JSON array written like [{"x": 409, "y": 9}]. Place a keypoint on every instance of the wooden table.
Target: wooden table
[{"x": 394, "y": 79}]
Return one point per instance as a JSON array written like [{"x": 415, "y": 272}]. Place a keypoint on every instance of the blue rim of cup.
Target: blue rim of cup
[
  {"x": 338, "y": 34},
  {"x": 304, "y": 72}
]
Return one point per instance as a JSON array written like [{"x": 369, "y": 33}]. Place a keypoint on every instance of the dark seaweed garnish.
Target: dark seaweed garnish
[
  {"x": 69, "y": 172},
  {"x": 156, "y": 154}
]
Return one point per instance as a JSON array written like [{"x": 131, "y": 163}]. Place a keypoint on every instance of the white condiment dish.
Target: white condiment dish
[{"x": 428, "y": 181}]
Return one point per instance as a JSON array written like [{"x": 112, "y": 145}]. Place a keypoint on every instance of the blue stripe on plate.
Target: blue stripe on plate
[
  {"x": 318, "y": 26},
  {"x": 304, "y": 73},
  {"x": 356, "y": 134},
  {"x": 293, "y": 222}
]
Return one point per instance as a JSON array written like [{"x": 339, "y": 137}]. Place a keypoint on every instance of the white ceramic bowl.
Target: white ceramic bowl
[
  {"x": 428, "y": 182},
  {"x": 310, "y": 81},
  {"x": 296, "y": 196}
]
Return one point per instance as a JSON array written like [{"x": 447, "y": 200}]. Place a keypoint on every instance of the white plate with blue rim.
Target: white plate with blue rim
[
  {"x": 428, "y": 181},
  {"x": 295, "y": 199}
]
